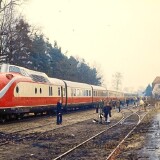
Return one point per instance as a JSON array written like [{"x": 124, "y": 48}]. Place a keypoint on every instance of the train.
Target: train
[{"x": 24, "y": 91}]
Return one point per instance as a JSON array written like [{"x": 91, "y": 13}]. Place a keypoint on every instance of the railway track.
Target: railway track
[
  {"x": 104, "y": 140},
  {"x": 113, "y": 154},
  {"x": 11, "y": 134},
  {"x": 14, "y": 135},
  {"x": 83, "y": 139}
]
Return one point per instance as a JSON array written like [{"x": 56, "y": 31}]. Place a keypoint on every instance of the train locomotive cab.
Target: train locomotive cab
[{"x": 25, "y": 91}]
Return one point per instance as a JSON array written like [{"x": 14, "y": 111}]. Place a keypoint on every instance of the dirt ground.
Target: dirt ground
[
  {"x": 144, "y": 143},
  {"x": 48, "y": 142}
]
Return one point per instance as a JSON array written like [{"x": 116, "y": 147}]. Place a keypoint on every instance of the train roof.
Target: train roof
[
  {"x": 14, "y": 68},
  {"x": 57, "y": 81},
  {"x": 77, "y": 84},
  {"x": 42, "y": 77},
  {"x": 35, "y": 75},
  {"x": 115, "y": 91},
  {"x": 98, "y": 87}
]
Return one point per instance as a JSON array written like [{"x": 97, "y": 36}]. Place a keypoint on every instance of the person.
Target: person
[
  {"x": 59, "y": 112},
  {"x": 118, "y": 105},
  {"x": 97, "y": 106},
  {"x": 145, "y": 105},
  {"x": 141, "y": 104},
  {"x": 114, "y": 104},
  {"x": 101, "y": 105},
  {"x": 127, "y": 102},
  {"x": 107, "y": 111}
]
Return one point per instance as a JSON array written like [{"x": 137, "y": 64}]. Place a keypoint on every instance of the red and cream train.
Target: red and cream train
[{"x": 27, "y": 91}]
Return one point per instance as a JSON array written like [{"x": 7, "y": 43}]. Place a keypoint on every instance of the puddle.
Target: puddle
[{"x": 152, "y": 147}]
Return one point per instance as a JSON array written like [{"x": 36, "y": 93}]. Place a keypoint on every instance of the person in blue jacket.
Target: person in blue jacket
[{"x": 59, "y": 112}]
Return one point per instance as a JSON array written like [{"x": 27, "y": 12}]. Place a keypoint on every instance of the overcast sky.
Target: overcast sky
[{"x": 116, "y": 35}]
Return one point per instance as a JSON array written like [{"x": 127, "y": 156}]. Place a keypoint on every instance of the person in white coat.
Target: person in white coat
[{"x": 141, "y": 104}]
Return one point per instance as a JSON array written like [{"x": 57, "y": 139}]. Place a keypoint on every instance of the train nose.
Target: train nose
[{"x": 7, "y": 81}]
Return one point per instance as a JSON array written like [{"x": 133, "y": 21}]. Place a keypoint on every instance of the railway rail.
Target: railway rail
[
  {"x": 9, "y": 131},
  {"x": 88, "y": 145},
  {"x": 112, "y": 155},
  {"x": 75, "y": 140}
]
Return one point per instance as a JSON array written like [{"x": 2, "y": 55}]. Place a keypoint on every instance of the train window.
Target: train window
[
  {"x": 78, "y": 92},
  {"x": 40, "y": 90},
  {"x": 14, "y": 69},
  {"x": 89, "y": 93},
  {"x": 35, "y": 90},
  {"x": 104, "y": 93},
  {"x": 59, "y": 91},
  {"x": 74, "y": 92},
  {"x": 24, "y": 73},
  {"x": 17, "y": 89},
  {"x": 71, "y": 92},
  {"x": 81, "y": 92},
  {"x": 38, "y": 78},
  {"x": 51, "y": 92},
  {"x": 86, "y": 92},
  {"x": 64, "y": 92}
]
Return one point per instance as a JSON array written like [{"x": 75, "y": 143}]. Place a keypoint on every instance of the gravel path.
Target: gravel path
[{"x": 47, "y": 142}]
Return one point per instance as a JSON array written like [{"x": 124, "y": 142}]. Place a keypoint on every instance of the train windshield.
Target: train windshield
[
  {"x": 14, "y": 69},
  {"x": 18, "y": 70}
]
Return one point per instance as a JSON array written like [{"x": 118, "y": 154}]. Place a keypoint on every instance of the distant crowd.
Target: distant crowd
[{"x": 105, "y": 107}]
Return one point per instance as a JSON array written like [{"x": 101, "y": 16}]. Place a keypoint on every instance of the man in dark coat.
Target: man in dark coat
[
  {"x": 59, "y": 112},
  {"x": 107, "y": 111},
  {"x": 119, "y": 105}
]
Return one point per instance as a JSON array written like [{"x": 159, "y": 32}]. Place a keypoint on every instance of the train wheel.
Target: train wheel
[
  {"x": 20, "y": 116},
  {"x": 3, "y": 119}
]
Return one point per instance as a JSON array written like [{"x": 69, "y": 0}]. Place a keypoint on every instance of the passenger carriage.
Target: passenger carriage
[{"x": 25, "y": 91}]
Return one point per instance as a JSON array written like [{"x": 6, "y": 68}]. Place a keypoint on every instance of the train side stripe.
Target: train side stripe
[{"x": 5, "y": 89}]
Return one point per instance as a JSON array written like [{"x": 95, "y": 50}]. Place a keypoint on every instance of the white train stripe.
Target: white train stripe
[{"x": 5, "y": 89}]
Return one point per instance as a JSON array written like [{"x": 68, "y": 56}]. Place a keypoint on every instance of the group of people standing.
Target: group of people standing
[{"x": 105, "y": 109}]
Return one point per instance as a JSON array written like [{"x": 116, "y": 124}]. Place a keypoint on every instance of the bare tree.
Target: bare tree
[
  {"x": 4, "y": 4},
  {"x": 117, "y": 80},
  {"x": 8, "y": 23}
]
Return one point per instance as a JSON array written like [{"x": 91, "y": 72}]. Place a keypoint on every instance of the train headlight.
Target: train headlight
[{"x": 9, "y": 76}]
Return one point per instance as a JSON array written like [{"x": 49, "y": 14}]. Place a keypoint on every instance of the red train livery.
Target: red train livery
[{"x": 25, "y": 91}]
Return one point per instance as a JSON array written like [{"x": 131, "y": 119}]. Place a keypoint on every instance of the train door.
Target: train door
[
  {"x": 92, "y": 94},
  {"x": 65, "y": 95},
  {"x": 70, "y": 96},
  {"x": 62, "y": 94}
]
